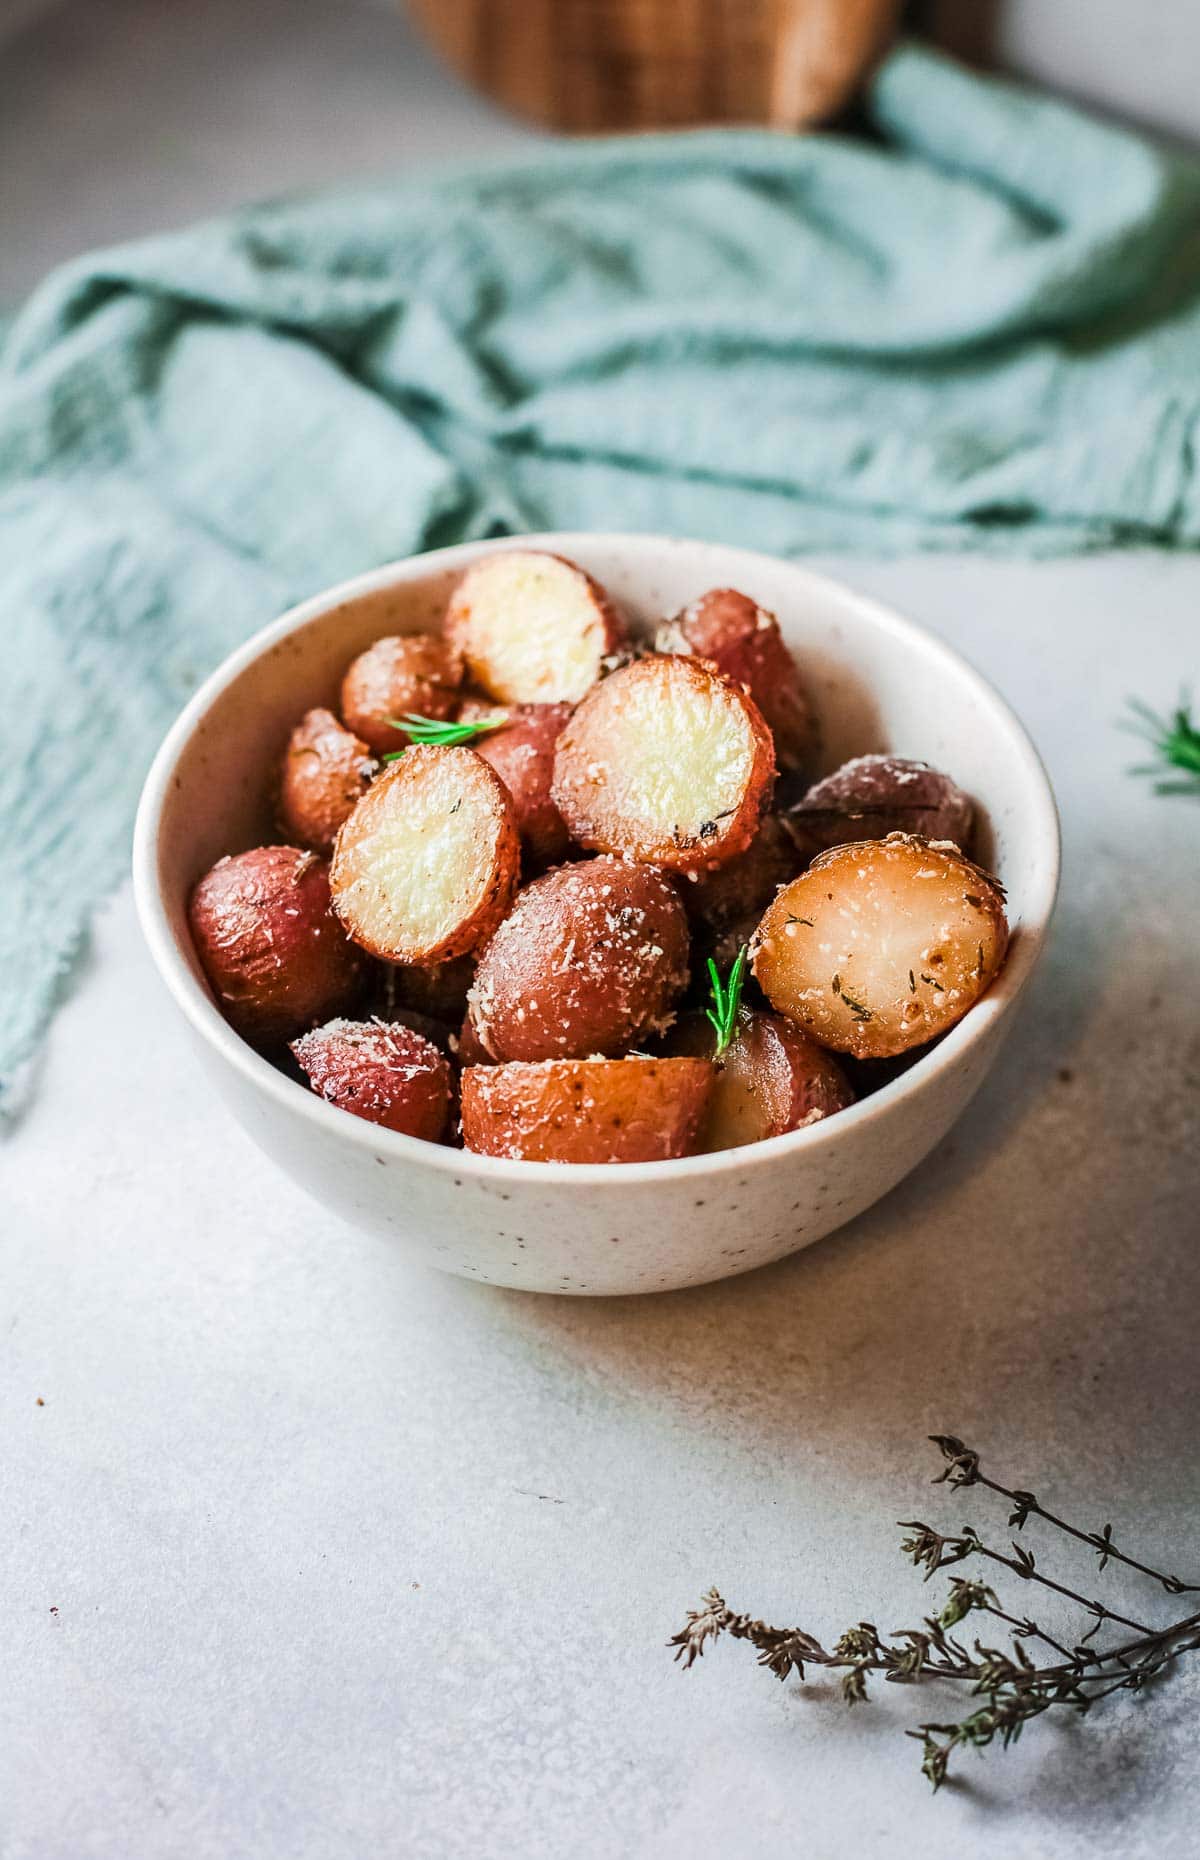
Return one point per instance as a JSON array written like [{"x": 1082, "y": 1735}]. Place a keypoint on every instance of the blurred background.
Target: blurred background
[{"x": 120, "y": 117}]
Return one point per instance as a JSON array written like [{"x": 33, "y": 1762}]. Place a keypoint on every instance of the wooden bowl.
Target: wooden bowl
[{"x": 594, "y": 65}]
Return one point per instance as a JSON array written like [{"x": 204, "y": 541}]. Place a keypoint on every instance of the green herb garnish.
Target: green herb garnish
[
  {"x": 441, "y": 735},
  {"x": 1175, "y": 741},
  {"x": 726, "y": 997}
]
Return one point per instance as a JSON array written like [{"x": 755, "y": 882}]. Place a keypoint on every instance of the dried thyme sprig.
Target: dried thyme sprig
[
  {"x": 1015, "y": 1688},
  {"x": 1175, "y": 741},
  {"x": 726, "y": 997},
  {"x": 428, "y": 730}
]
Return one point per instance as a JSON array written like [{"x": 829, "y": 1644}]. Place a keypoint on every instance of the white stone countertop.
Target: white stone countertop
[{"x": 310, "y": 1553}]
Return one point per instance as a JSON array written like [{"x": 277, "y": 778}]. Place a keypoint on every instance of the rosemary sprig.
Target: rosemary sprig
[
  {"x": 1175, "y": 741},
  {"x": 428, "y": 730},
  {"x": 1012, "y": 1686},
  {"x": 726, "y": 998}
]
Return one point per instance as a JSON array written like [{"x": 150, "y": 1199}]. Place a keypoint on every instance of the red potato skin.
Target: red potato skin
[
  {"x": 771, "y": 1079},
  {"x": 591, "y": 957},
  {"x": 326, "y": 771},
  {"x": 586, "y": 1111},
  {"x": 522, "y": 754},
  {"x": 418, "y": 674},
  {"x": 872, "y": 796},
  {"x": 743, "y": 640},
  {"x": 386, "y": 1073},
  {"x": 276, "y": 957}
]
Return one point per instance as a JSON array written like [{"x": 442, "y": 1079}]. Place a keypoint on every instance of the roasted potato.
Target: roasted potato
[
  {"x": 326, "y": 771},
  {"x": 276, "y": 957},
  {"x": 418, "y": 674},
  {"x": 591, "y": 957},
  {"x": 872, "y": 796},
  {"x": 533, "y": 628},
  {"x": 882, "y": 944},
  {"x": 665, "y": 761},
  {"x": 771, "y": 1078},
  {"x": 383, "y": 1072},
  {"x": 743, "y": 640},
  {"x": 586, "y": 1110},
  {"x": 427, "y": 864},
  {"x": 522, "y": 753},
  {"x": 721, "y": 901}
]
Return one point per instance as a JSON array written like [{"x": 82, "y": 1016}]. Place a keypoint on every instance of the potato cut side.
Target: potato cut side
[
  {"x": 585, "y": 1110},
  {"x": 881, "y": 945},
  {"x": 666, "y": 761},
  {"x": 384, "y": 1072},
  {"x": 770, "y": 1079},
  {"x": 427, "y": 864},
  {"x": 533, "y": 628}
]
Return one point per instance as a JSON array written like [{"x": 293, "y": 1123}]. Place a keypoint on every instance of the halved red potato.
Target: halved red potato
[
  {"x": 717, "y": 902},
  {"x": 522, "y": 753},
  {"x": 418, "y": 674},
  {"x": 771, "y": 1078},
  {"x": 586, "y": 1110},
  {"x": 380, "y": 1071},
  {"x": 872, "y": 796},
  {"x": 743, "y": 640},
  {"x": 590, "y": 957},
  {"x": 665, "y": 761},
  {"x": 326, "y": 772},
  {"x": 427, "y": 864},
  {"x": 532, "y": 627},
  {"x": 276, "y": 957},
  {"x": 881, "y": 945}
]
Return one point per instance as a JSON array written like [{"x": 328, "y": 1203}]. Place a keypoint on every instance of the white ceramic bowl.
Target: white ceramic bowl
[{"x": 880, "y": 683}]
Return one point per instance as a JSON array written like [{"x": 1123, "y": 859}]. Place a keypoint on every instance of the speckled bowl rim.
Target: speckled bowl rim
[{"x": 201, "y": 1011}]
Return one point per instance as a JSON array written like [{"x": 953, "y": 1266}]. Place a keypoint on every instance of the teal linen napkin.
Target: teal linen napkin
[{"x": 980, "y": 331}]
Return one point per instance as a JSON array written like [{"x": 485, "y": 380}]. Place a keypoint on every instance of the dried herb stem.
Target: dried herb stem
[{"x": 1013, "y": 1688}]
